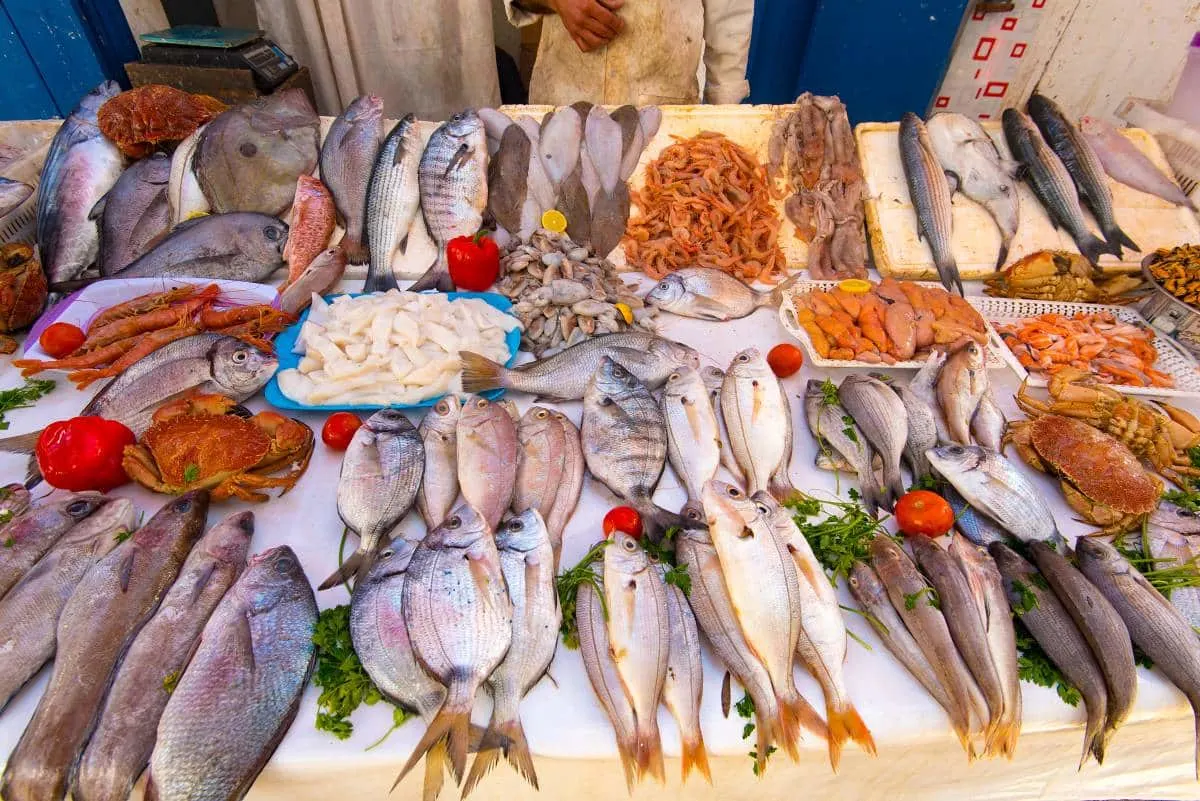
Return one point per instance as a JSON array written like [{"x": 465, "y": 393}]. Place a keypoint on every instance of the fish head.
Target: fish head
[
  {"x": 748, "y": 364},
  {"x": 273, "y": 577},
  {"x": 625, "y": 554},
  {"x": 1009, "y": 561},
  {"x": 81, "y": 505},
  {"x": 239, "y": 369},
  {"x": 684, "y": 382},
  {"x": 864, "y": 581},
  {"x": 1097, "y": 551},
  {"x": 182, "y": 516},
  {"x": 461, "y": 529},
  {"x": 228, "y": 541},
  {"x": 524, "y": 532},
  {"x": 667, "y": 293},
  {"x": 364, "y": 108},
  {"x": 613, "y": 380},
  {"x": 729, "y": 510},
  {"x": 886, "y": 551},
  {"x": 392, "y": 561},
  {"x": 538, "y": 419},
  {"x": 263, "y": 237},
  {"x": 118, "y": 515},
  {"x": 90, "y": 105},
  {"x": 464, "y": 124},
  {"x": 1175, "y": 518},
  {"x": 1016, "y": 124},
  {"x": 972, "y": 355},
  {"x": 444, "y": 415},
  {"x": 478, "y": 411},
  {"x": 955, "y": 459},
  {"x": 676, "y": 353},
  {"x": 389, "y": 421},
  {"x": 713, "y": 377}
]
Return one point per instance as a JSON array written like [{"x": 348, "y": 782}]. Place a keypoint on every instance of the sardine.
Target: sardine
[
  {"x": 594, "y": 645},
  {"x": 392, "y": 202},
  {"x": 320, "y": 276},
  {"x": 989, "y": 422},
  {"x": 238, "y": 246},
  {"x": 550, "y": 470},
  {"x": 683, "y": 685},
  {"x": 883, "y": 421},
  {"x": 347, "y": 158},
  {"x": 439, "y": 484},
  {"x": 924, "y": 386},
  {"x": 930, "y": 192},
  {"x": 488, "y": 452},
  {"x": 120, "y": 747},
  {"x": 709, "y": 294},
  {"x": 759, "y": 422},
  {"x": 714, "y": 378},
  {"x": 109, "y": 606},
  {"x": 134, "y": 213},
  {"x": 693, "y": 435},
  {"x": 960, "y": 385},
  {"x": 242, "y": 688},
  {"x": 565, "y": 375},
  {"x": 185, "y": 198},
  {"x": 1126, "y": 164},
  {"x": 922, "y": 430},
  {"x": 27, "y": 538}
]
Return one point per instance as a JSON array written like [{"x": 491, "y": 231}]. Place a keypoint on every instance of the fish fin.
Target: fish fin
[
  {"x": 354, "y": 248},
  {"x": 628, "y": 763},
  {"x": 20, "y": 443},
  {"x": 460, "y": 158},
  {"x": 1092, "y": 248},
  {"x": 452, "y": 725},
  {"x": 1002, "y": 256},
  {"x": 766, "y": 733},
  {"x": 776, "y": 295},
  {"x": 953, "y": 180},
  {"x": 658, "y": 520},
  {"x": 434, "y": 779},
  {"x": 97, "y": 210},
  {"x": 380, "y": 279},
  {"x": 695, "y": 755},
  {"x": 244, "y": 642},
  {"x": 893, "y": 484},
  {"x": 791, "y": 713},
  {"x": 202, "y": 580},
  {"x": 726, "y": 694},
  {"x": 437, "y": 277},
  {"x": 479, "y": 372},
  {"x": 1120, "y": 239},
  {"x": 649, "y": 750},
  {"x": 948, "y": 273},
  {"x": 485, "y": 760},
  {"x": 403, "y": 245},
  {"x": 780, "y": 483},
  {"x": 844, "y": 724},
  {"x": 125, "y": 569},
  {"x": 507, "y": 738},
  {"x": 358, "y": 563}
]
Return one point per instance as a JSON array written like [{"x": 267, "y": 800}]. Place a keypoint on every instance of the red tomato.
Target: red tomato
[
  {"x": 339, "y": 429},
  {"x": 924, "y": 513},
  {"x": 60, "y": 340},
  {"x": 474, "y": 261},
  {"x": 785, "y": 360},
  {"x": 84, "y": 453},
  {"x": 623, "y": 518}
]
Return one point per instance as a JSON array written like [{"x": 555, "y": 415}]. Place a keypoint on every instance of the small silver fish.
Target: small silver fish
[
  {"x": 488, "y": 452},
  {"x": 922, "y": 430},
  {"x": 347, "y": 160},
  {"x": 683, "y": 685},
  {"x": 989, "y": 422},
  {"x": 759, "y": 421},
  {"x": 693, "y": 434},
  {"x": 713, "y": 378},
  {"x": 439, "y": 484},
  {"x": 710, "y": 294},
  {"x": 881, "y": 417}
]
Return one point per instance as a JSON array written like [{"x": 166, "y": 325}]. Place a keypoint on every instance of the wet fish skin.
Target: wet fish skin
[
  {"x": 708, "y": 294},
  {"x": 1126, "y": 164},
  {"x": 246, "y": 677},
  {"x": 13, "y": 194},
  {"x": 109, "y": 606},
  {"x": 29, "y": 612},
  {"x": 683, "y": 685},
  {"x": 184, "y": 196},
  {"x": 312, "y": 224},
  {"x": 881, "y": 417},
  {"x": 924, "y": 386},
  {"x": 922, "y": 430},
  {"x": 134, "y": 213},
  {"x": 757, "y": 419},
  {"x": 392, "y": 202},
  {"x": 930, "y": 195},
  {"x": 550, "y": 470},
  {"x": 121, "y": 745},
  {"x": 693, "y": 435},
  {"x": 320, "y": 276},
  {"x": 14, "y": 501},
  {"x": 845, "y": 442},
  {"x": 559, "y": 143},
  {"x": 714, "y": 378},
  {"x": 439, "y": 484},
  {"x": 238, "y": 246},
  {"x": 602, "y": 673},
  {"x": 27, "y": 538},
  {"x": 488, "y": 452},
  {"x": 346, "y": 159},
  {"x": 1173, "y": 548},
  {"x": 989, "y": 422},
  {"x": 975, "y": 526},
  {"x": 961, "y": 384}
]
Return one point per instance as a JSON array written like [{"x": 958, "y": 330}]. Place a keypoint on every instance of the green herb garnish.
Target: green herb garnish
[
  {"x": 10, "y": 542},
  {"x": 664, "y": 552},
  {"x": 1035, "y": 667},
  {"x": 567, "y": 585},
  {"x": 849, "y": 430},
  {"x": 122, "y": 535},
  {"x": 171, "y": 681},
  {"x": 5, "y": 515},
  {"x": 1140, "y": 659},
  {"x": 22, "y": 397},
  {"x": 1027, "y": 599},
  {"x": 678, "y": 575},
  {"x": 745, "y": 710},
  {"x": 931, "y": 598},
  {"x": 191, "y": 473},
  {"x": 927, "y": 482},
  {"x": 829, "y": 393},
  {"x": 841, "y": 537}
]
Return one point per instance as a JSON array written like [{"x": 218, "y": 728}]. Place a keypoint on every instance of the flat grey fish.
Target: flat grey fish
[
  {"x": 835, "y": 430},
  {"x": 1155, "y": 626},
  {"x": 995, "y": 487},
  {"x": 989, "y": 422},
  {"x": 881, "y": 417},
  {"x": 610, "y": 218},
  {"x": 633, "y": 138},
  {"x": 185, "y": 198},
  {"x": 693, "y": 434},
  {"x": 683, "y": 685},
  {"x": 1084, "y": 166},
  {"x": 242, "y": 688},
  {"x": 961, "y": 383},
  {"x": 624, "y": 440},
  {"x": 930, "y": 193},
  {"x": 488, "y": 453},
  {"x": 1126, "y": 164},
  {"x": 238, "y": 246},
  {"x": 393, "y": 201},
  {"x": 460, "y": 620},
  {"x": 594, "y": 646},
  {"x": 29, "y": 612},
  {"x": 134, "y": 213},
  {"x": 924, "y": 386},
  {"x": 320, "y": 276},
  {"x": 439, "y": 483},
  {"x": 1050, "y": 181},
  {"x": 527, "y": 562},
  {"x": 971, "y": 159},
  {"x": 559, "y": 143},
  {"x": 347, "y": 159},
  {"x": 975, "y": 526},
  {"x": 758, "y": 420},
  {"x": 714, "y": 378},
  {"x": 26, "y": 539},
  {"x": 549, "y": 471},
  {"x": 1040, "y": 611},
  {"x": 13, "y": 194},
  {"x": 120, "y": 747},
  {"x": 109, "y": 606},
  {"x": 565, "y": 375},
  {"x": 377, "y": 486},
  {"x": 922, "y": 430},
  {"x": 709, "y": 294},
  {"x": 80, "y": 167},
  {"x": 1170, "y": 535},
  {"x": 508, "y": 179},
  {"x": 454, "y": 190}
]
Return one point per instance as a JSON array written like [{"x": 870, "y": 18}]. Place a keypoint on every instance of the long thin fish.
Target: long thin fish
[
  {"x": 392, "y": 202},
  {"x": 930, "y": 194},
  {"x": 684, "y": 683}
]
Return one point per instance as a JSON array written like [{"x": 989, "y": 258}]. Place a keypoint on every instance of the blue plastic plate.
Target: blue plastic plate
[{"x": 289, "y": 360}]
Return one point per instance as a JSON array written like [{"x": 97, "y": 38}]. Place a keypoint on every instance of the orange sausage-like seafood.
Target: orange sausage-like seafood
[
  {"x": 147, "y": 321},
  {"x": 262, "y": 312}
]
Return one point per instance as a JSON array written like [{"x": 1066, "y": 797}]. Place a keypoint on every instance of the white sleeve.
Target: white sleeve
[
  {"x": 519, "y": 16},
  {"x": 727, "y": 26}
]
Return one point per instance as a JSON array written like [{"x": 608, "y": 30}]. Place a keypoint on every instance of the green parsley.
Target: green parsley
[
  {"x": 927, "y": 482},
  {"x": 1140, "y": 659},
  {"x": 122, "y": 535},
  {"x": 171, "y": 681},
  {"x": 839, "y": 532},
  {"x": 22, "y": 397},
  {"x": 1027, "y": 599},
  {"x": 745, "y": 710},
  {"x": 932, "y": 599},
  {"x": 567, "y": 585},
  {"x": 829, "y": 393},
  {"x": 664, "y": 552},
  {"x": 678, "y": 575},
  {"x": 10, "y": 542},
  {"x": 191, "y": 473},
  {"x": 1035, "y": 667}
]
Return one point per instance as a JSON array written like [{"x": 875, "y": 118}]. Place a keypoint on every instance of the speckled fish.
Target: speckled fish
[
  {"x": 488, "y": 452},
  {"x": 460, "y": 621},
  {"x": 106, "y": 611},
  {"x": 714, "y": 378},
  {"x": 347, "y": 158},
  {"x": 683, "y": 684},
  {"x": 883, "y": 421},
  {"x": 989, "y": 422},
  {"x": 549, "y": 471},
  {"x": 381, "y": 473},
  {"x": 758, "y": 421},
  {"x": 960, "y": 385},
  {"x": 922, "y": 430},
  {"x": 709, "y": 294},
  {"x": 439, "y": 485},
  {"x": 1125, "y": 163},
  {"x": 393, "y": 200},
  {"x": 120, "y": 747},
  {"x": 239, "y": 246},
  {"x": 29, "y": 612},
  {"x": 134, "y": 213},
  {"x": 320, "y": 276},
  {"x": 454, "y": 191},
  {"x": 311, "y": 226},
  {"x": 930, "y": 193},
  {"x": 693, "y": 435},
  {"x": 596, "y": 650},
  {"x": 527, "y": 562},
  {"x": 242, "y": 689},
  {"x": 27, "y": 538}
]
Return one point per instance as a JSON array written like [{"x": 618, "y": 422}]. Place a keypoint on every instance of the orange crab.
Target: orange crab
[
  {"x": 138, "y": 120},
  {"x": 210, "y": 442}
]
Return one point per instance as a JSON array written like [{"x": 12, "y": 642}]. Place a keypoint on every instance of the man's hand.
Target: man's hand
[{"x": 591, "y": 23}]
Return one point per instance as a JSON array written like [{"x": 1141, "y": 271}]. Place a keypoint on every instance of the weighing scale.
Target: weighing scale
[{"x": 227, "y": 48}]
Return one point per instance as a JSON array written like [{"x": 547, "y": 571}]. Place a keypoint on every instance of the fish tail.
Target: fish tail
[
  {"x": 480, "y": 373},
  {"x": 451, "y": 724},
  {"x": 947, "y": 270},
  {"x": 437, "y": 757},
  {"x": 1093, "y": 247},
  {"x": 657, "y": 519},
  {"x": 788, "y": 734},
  {"x": 695, "y": 755},
  {"x": 893, "y": 489},
  {"x": 355, "y": 249},
  {"x": 780, "y": 484},
  {"x": 845, "y": 724},
  {"x": 1002, "y": 739},
  {"x": 1119, "y": 239},
  {"x": 775, "y": 296},
  {"x": 355, "y": 567},
  {"x": 625, "y": 750},
  {"x": 1002, "y": 256},
  {"x": 436, "y": 277},
  {"x": 21, "y": 443},
  {"x": 505, "y": 739},
  {"x": 649, "y": 751}
]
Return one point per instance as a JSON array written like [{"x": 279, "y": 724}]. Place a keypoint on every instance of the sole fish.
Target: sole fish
[
  {"x": 930, "y": 193},
  {"x": 758, "y": 421},
  {"x": 488, "y": 453},
  {"x": 393, "y": 199},
  {"x": 347, "y": 159}
]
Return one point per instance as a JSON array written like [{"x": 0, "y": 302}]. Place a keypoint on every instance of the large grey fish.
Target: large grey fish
[
  {"x": 134, "y": 213},
  {"x": 1101, "y": 625},
  {"x": 454, "y": 190},
  {"x": 1126, "y": 164},
  {"x": 960, "y": 385},
  {"x": 1051, "y": 625},
  {"x": 922, "y": 430},
  {"x": 758, "y": 421},
  {"x": 693, "y": 434},
  {"x": 714, "y": 378},
  {"x": 249, "y": 157},
  {"x": 13, "y": 194},
  {"x": 1170, "y": 534},
  {"x": 709, "y": 294},
  {"x": 29, "y": 612},
  {"x": 120, "y": 747},
  {"x": 594, "y": 646},
  {"x": 460, "y": 622},
  {"x": 1084, "y": 166},
  {"x": 80, "y": 167},
  {"x": 439, "y": 483},
  {"x": 976, "y": 526},
  {"x": 1050, "y": 181},
  {"x": 930, "y": 193},
  {"x": 381, "y": 473},
  {"x": 624, "y": 440},
  {"x": 881, "y": 417},
  {"x": 565, "y": 375},
  {"x": 347, "y": 158},
  {"x": 393, "y": 200},
  {"x": 27, "y": 538},
  {"x": 924, "y": 386},
  {"x": 527, "y": 562},
  {"x": 106, "y": 611},
  {"x": 239, "y": 246},
  {"x": 683, "y": 685},
  {"x": 550, "y": 470},
  {"x": 994, "y": 486},
  {"x": 1154, "y": 625},
  {"x": 989, "y": 422},
  {"x": 970, "y": 157},
  {"x": 242, "y": 688},
  {"x": 488, "y": 453}
]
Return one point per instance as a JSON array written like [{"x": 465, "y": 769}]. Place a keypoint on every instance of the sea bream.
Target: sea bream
[
  {"x": 550, "y": 470},
  {"x": 596, "y": 650},
  {"x": 709, "y": 294},
  {"x": 758, "y": 421},
  {"x": 693, "y": 435},
  {"x": 1125, "y": 163},
  {"x": 683, "y": 685},
  {"x": 880, "y": 416},
  {"x": 487, "y": 456},
  {"x": 27, "y": 538},
  {"x": 347, "y": 158},
  {"x": 930, "y": 193},
  {"x": 392, "y": 202}
]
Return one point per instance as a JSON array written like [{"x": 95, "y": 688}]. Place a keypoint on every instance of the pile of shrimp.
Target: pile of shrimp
[
  {"x": 706, "y": 203},
  {"x": 122, "y": 334},
  {"x": 1114, "y": 351}
]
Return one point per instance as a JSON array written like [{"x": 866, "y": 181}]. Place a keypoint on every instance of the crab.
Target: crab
[
  {"x": 1101, "y": 479},
  {"x": 139, "y": 120},
  {"x": 210, "y": 442},
  {"x": 1161, "y": 435},
  {"x": 1059, "y": 275}
]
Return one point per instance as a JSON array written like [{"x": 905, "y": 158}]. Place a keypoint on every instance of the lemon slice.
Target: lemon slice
[
  {"x": 195, "y": 215},
  {"x": 553, "y": 220},
  {"x": 855, "y": 286},
  {"x": 626, "y": 312}
]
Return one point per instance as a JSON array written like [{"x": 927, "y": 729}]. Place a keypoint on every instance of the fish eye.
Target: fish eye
[
  {"x": 387, "y": 553},
  {"x": 606, "y": 401},
  {"x": 663, "y": 285},
  {"x": 240, "y": 356},
  {"x": 957, "y": 450},
  {"x": 629, "y": 544},
  {"x": 673, "y": 377},
  {"x": 271, "y": 233},
  {"x": 516, "y": 524},
  {"x": 692, "y": 514},
  {"x": 541, "y": 414},
  {"x": 78, "y": 508},
  {"x": 453, "y": 522},
  {"x": 183, "y": 505},
  {"x": 762, "y": 509},
  {"x": 442, "y": 407},
  {"x": 284, "y": 564},
  {"x": 248, "y": 149},
  {"x": 734, "y": 492},
  {"x": 481, "y": 403},
  {"x": 742, "y": 357}
]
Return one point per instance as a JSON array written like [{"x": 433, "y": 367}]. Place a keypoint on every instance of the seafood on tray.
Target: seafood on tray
[
  {"x": 1059, "y": 275},
  {"x": 1177, "y": 270}
]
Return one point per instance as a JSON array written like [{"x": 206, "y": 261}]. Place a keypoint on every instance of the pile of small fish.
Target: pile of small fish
[
  {"x": 814, "y": 148},
  {"x": 563, "y": 293},
  {"x": 1114, "y": 351}
]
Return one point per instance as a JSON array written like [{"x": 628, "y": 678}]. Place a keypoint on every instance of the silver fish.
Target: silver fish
[
  {"x": 1170, "y": 536},
  {"x": 320, "y": 276},
  {"x": 565, "y": 375},
  {"x": 924, "y": 386},
  {"x": 185, "y": 198},
  {"x": 683, "y": 685},
  {"x": 27, "y": 538},
  {"x": 439, "y": 485},
  {"x": 710, "y": 294},
  {"x": 989, "y": 422},
  {"x": 883, "y": 421},
  {"x": 693, "y": 434},
  {"x": 922, "y": 430},
  {"x": 1126, "y": 164},
  {"x": 550, "y": 470},
  {"x": 29, "y": 612},
  {"x": 13, "y": 194},
  {"x": 393, "y": 200},
  {"x": 976, "y": 526},
  {"x": 242, "y": 688},
  {"x": 134, "y": 213},
  {"x": 238, "y": 246},
  {"x": 488, "y": 452},
  {"x": 347, "y": 158},
  {"x": 108, "y": 608},
  {"x": 930, "y": 194},
  {"x": 454, "y": 190},
  {"x": 377, "y": 486},
  {"x": 714, "y": 378},
  {"x": 960, "y": 385},
  {"x": 759, "y": 422},
  {"x": 594, "y": 645},
  {"x": 120, "y": 747}
]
